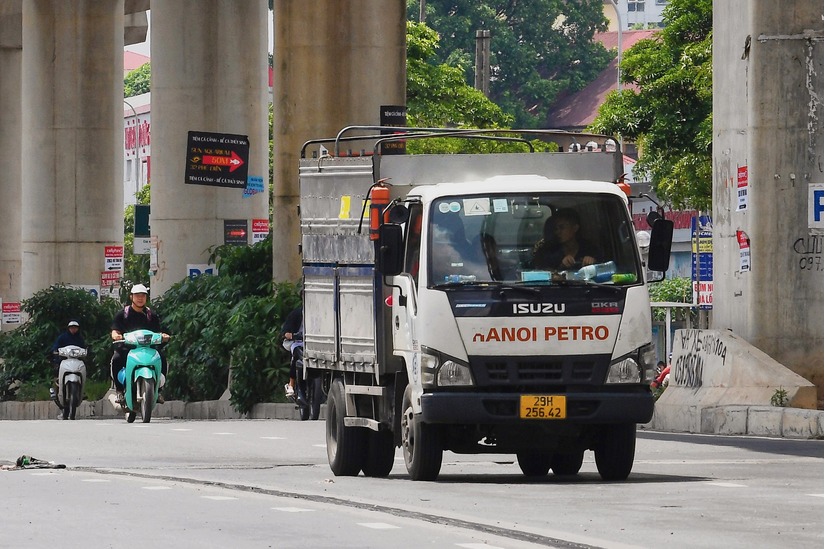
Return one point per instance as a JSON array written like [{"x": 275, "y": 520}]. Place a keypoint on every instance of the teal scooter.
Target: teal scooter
[{"x": 142, "y": 376}]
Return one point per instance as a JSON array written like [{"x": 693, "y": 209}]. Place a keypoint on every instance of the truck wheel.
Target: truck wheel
[
  {"x": 615, "y": 451},
  {"x": 344, "y": 444},
  {"x": 419, "y": 440},
  {"x": 533, "y": 463},
  {"x": 567, "y": 464},
  {"x": 380, "y": 454}
]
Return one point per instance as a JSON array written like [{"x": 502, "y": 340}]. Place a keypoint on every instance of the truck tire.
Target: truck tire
[
  {"x": 344, "y": 444},
  {"x": 420, "y": 442},
  {"x": 380, "y": 454},
  {"x": 615, "y": 451},
  {"x": 567, "y": 464},
  {"x": 533, "y": 463}
]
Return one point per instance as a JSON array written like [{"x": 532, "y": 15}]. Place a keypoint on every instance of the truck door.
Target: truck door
[{"x": 405, "y": 295}]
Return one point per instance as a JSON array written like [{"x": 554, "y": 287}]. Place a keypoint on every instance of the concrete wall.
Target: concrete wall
[
  {"x": 209, "y": 74},
  {"x": 11, "y": 56},
  {"x": 768, "y": 120},
  {"x": 72, "y": 90},
  {"x": 335, "y": 64}
]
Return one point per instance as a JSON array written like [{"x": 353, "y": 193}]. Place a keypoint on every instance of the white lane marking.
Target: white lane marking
[
  {"x": 156, "y": 487},
  {"x": 293, "y": 509},
  {"x": 816, "y": 495},
  {"x": 378, "y": 525},
  {"x": 181, "y": 429},
  {"x": 223, "y": 433},
  {"x": 273, "y": 438},
  {"x": 95, "y": 480},
  {"x": 319, "y": 445},
  {"x": 726, "y": 485},
  {"x": 43, "y": 473},
  {"x": 477, "y": 546},
  {"x": 219, "y": 498}
]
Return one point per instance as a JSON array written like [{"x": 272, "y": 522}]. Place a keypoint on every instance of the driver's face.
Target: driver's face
[{"x": 139, "y": 300}]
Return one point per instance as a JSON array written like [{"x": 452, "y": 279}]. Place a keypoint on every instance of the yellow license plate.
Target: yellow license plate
[{"x": 543, "y": 407}]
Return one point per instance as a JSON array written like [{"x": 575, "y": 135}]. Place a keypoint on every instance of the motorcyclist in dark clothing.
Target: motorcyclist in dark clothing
[
  {"x": 292, "y": 331},
  {"x": 137, "y": 316},
  {"x": 70, "y": 336}
]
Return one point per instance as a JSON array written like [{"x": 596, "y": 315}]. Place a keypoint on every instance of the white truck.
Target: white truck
[{"x": 460, "y": 317}]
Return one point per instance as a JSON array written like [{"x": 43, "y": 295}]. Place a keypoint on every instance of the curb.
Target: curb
[{"x": 174, "y": 409}]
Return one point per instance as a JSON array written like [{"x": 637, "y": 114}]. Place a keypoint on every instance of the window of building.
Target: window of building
[{"x": 636, "y": 5}]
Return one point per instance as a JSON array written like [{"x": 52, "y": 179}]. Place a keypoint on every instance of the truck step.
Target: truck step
[
  {"x": 372, "y": 390},
  {"x": 361, "y": 422}
]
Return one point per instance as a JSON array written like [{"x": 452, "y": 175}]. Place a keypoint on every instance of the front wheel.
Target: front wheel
[
  {"x": 344, "y": 444},
  {"x": 380, "y": 454},
  {"x": 615, "y": 451},
  {"x": 74, "y": 398},
  {"x": 420, "y": 442},
  {"x": 148, "y": 402},
  {"x": 534, "y": 463}
]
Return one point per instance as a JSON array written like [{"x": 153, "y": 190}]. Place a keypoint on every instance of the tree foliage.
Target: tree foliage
[
  {"x": 26, "y": 350},
  {"x": 670, "y": 116},
  {"x": 229, "y": 320},
  {"x": 539, "y": 49},
  {"x": 138, "y": 81}
]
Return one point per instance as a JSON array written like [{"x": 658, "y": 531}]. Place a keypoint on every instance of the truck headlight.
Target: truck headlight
[
  {"x": 453, "y": 373},
  {"x": 442, "y": 371},
  {"x": 625, "y": 370}
]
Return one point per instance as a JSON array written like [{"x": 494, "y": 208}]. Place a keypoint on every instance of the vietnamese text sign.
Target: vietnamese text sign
[
  {"x": 110, "y": 283},
  {"x": 393, "y": 115},
  {"x": 11, "y": 312},
  {"x": 741, "y": 188},
  {"x": 260, "y": 229},
  {"x": 195, "y": 270},
  {"x": 744, "y": 250},
  {"x": 254, "y": 185},
  {"x": 236, "y": 232},
  {"x": 217, "y": 159},
  {"x": 114, "y": 258}
]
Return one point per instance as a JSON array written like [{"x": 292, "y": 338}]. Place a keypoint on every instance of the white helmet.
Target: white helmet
[{"x": 140, "y": 289}]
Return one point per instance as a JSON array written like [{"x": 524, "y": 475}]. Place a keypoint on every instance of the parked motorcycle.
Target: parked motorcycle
[
  {"x": 71, "y": 378},
  {"x": 142, "y": 376},
  {"x": 309, "y": 391}
]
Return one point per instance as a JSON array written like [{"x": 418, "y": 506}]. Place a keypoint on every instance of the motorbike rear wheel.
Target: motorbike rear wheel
[
  {"x": 148, "y": 402},
  {"x": 315, "y": 395}
]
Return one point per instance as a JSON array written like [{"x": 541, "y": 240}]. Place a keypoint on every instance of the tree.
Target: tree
[
  {"x": 670, "y": 117},
  {"x": 138, "y": 81},
  {"x": 539, "y": 49}
]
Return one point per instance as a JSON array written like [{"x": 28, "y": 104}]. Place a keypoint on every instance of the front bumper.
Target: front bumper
[{"x": 503, "y": 408}]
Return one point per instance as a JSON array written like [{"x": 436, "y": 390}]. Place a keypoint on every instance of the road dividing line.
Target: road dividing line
[
  {"x": 378, "y": 525},
  {"x": 726, "y": 484},
  {"x": 293, "y": 509},
  {"x": 219, "y": 498}
]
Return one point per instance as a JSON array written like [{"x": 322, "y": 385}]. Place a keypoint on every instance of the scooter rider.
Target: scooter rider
[
  {"x": 136, "y": 316},
  {"x": 70, "y": 336}
]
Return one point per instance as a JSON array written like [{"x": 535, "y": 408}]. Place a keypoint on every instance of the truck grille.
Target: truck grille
[{"x": 535, "y": 371}]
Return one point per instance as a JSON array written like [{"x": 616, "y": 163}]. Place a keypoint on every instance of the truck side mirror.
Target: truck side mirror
[
  {"x": 661, "y": 238},
  {"x": 390, "y": 260}
]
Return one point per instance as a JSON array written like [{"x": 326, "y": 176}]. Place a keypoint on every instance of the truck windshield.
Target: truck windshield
[{"x": 531, "y": 239}]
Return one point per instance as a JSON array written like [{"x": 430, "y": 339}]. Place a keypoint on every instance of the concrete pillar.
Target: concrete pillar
[
  {"x": 11, "y": 42},
  {"x": 335, "y": 64},
  {"x": 768, "y": 120},
  {"x": 209, "y": 74},
  {"x": 72, "y": 86}
]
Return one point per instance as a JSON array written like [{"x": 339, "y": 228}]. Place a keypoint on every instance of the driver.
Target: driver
[
  {"x": 136, "y": 316},
  {"x": 561, "y": 248}
]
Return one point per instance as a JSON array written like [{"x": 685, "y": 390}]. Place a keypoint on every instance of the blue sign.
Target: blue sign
[{"x": 254, "y": 185}]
